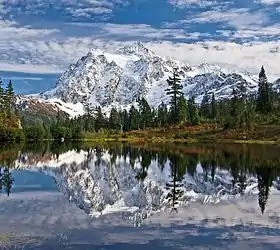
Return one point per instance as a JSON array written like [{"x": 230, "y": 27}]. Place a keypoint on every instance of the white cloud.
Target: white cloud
[
  {"x": 268, "y": 2},
  {"x": 76, "y": 8},
  {"x": 188, "y": 3},
  {"x": 237, "y": 18},
  {"x": 231, "y": 55}
]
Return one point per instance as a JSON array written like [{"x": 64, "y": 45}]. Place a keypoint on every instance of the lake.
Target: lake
[{"x": 68, "y": 191}]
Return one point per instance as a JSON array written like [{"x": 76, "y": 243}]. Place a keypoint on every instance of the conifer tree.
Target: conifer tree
[
  {"x": 205, "y": 108},
  {"x": 133, "y": 118},
  {"x": 174, "y": 91},
  {"x": 88, "y": 117},
  {"x": 9, "y": 97},
  {"x": 264, "y": 99},
  {"x": 114, "y": 120},
  {"x": 124, "y": 120},
  {"x": 1, "y": 96},
  {"x": 193, "y": 115},
  {"x": 162, "y": 115},
  {"x": 182, "y": 109},
  {"x": 145, "y": 113},
  {"x": 100, "y": 119}
]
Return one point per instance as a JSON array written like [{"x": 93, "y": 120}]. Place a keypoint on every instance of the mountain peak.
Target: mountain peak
[{"x": 137, "y": 49}]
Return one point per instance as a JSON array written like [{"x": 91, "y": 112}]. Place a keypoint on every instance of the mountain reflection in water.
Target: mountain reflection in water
[{"x": 134, "y": 182}]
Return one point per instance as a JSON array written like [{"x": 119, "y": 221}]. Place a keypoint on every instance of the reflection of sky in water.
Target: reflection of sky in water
[{"x": 32, "y": 181}]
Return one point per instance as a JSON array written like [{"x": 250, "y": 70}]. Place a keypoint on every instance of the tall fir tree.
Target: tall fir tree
[
  {"x": 174, "y": 91},
  {"x": 115, "y": 120},
  {"x": 182, "y": 109},
  {"x": 2, "y": 101},
  {"x": 133, "y": 118},
  {"x": 100, "y": 119},
  {"x": 264, "y": 99},
  {"x": 213, "y": 109},
  {"x": 193, "y": 115},
  {"x": 9, "y": 98},
  {"x": 162, "y": 115},
  {"x": 124, "y": 120},
  {"x": 205, "y": 108},
  {"x": 88, "y": 117},
  {"x": 145, "y": 113}
]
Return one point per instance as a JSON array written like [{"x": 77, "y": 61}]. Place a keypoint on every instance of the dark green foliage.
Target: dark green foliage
[
  {"x": 193, "y": 115},
  {"x": 182, "y": 109},
  {"x": 125, "y": 122},
  {"x": 35, "y": 132},
  {"x": 133, "y": 118},
  {"x": 114, "y": 120},
  {"x": 174, "y": 91},
  {"x": 100, "y": 119},
  {"x": 162, "y": 115},
  {"x": 213, "y": 108},
  {"x": 2, "y": 102},
  {"x": 264, "y": 100},
  {"x": 9, "y": 98},
  {"x": 205, "y": 107},
  {"x": 145, "y": 114}
]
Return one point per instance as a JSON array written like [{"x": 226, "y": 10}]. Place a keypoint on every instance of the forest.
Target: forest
[{"x": 242, "y": 111}]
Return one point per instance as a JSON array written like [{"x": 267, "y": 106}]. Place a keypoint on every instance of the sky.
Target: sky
[{"x": 40, "y": 38}]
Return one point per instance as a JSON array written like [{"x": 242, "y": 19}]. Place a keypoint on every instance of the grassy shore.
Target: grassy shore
[{"x": 206, "y": 133}]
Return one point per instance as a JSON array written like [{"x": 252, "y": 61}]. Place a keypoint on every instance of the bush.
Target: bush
[
  {"x": 11, "y": 134},
  {"x": 35, "y": 132}
]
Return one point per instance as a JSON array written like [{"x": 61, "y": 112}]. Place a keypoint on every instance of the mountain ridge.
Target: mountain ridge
[{"x": 119, "y": 79}]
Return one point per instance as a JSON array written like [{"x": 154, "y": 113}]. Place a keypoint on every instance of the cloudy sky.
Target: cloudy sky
[{"x": 40, "y": 38}]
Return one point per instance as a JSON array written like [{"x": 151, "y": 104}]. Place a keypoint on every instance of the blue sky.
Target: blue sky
[{"x": 40, "y": 38}]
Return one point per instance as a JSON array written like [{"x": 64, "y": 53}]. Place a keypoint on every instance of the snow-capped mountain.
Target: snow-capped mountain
[
  {"x": 118, "y": 79},
  {"x": 107, "y": 79}
]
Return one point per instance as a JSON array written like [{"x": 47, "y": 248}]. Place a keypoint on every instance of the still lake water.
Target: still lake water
[{"x": 135, "y": 182}]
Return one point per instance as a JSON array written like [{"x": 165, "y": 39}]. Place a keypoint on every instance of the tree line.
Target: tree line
[{"x": 240, "y": 110}]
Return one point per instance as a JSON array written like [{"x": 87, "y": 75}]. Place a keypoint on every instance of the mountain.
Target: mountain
[{"x": 118, "y": 79}]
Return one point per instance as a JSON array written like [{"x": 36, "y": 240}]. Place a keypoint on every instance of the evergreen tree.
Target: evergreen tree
[
  {"x": 264, "y": 100},
  {"x": 133, "y": 118},
  {"x": 193, "y": 116},
  {"x": 100, "y": 119},
  {"x": 124, "y": 120},
  {"x": 234, "y": 111},
  {"x": 145, "y": 113},
  {"x": 9, "y": 98},
  {"x": 114, "y": 120},
  {"x": 205, "y": 107},
  {"x": 213, "y": 109},
  {"x": 88, "y": 117},
  {"x": 162, "y": 115},
  {"x": 174, "y": 91},
  {"x": 1, "y": 96},
  {"x": 182, "y": 109}
]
